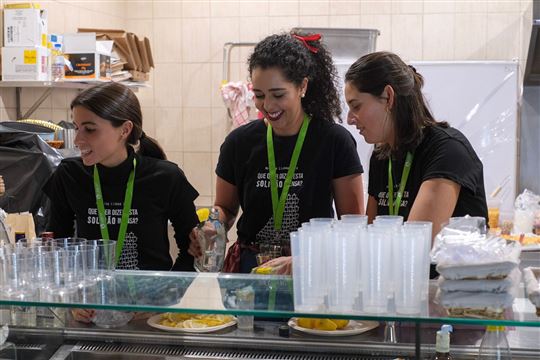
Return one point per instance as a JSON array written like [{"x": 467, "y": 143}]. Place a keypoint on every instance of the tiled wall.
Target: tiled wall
[
  {"x": 183, "y": 108},
  {"x": 63, "y": 17}
]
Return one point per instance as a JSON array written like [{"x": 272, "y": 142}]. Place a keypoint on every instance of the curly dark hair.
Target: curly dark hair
[{"x": 297, "y": 62}]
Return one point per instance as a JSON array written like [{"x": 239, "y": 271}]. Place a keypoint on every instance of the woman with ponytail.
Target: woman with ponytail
[
  {"x": 421, "y": 169},
  {"x": 291, "y": 166},
  {"x": 140, "y": 191}
]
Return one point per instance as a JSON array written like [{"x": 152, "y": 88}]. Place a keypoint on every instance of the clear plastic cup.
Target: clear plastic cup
[
  {"x": 355, "y": 219},
  {"x": 65, "y": 242},
  {"x": 342, "y": 269},
  {"x": 245, "y": 300},
  {"x": 392, "y": 219},
  {"x": 410, "y": 262},
  {"x": 101, "y": 257},
  {"x": 309, "y": 256},
  {"x": 376, "y": 258},
  {"x": 427, "y": 227}
]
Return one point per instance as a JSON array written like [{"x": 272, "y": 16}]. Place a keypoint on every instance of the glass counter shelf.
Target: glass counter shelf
[{"x": 215, "y": 293}]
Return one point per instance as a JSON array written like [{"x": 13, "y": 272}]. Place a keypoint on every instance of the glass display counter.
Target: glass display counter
[{"x": 273, "y": 307}]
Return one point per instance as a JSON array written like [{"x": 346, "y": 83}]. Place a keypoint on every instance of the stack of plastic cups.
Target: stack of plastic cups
[
  {"x": 427, "y": 228},
  {"x": 309, "y": 284},
  {"x": 376, "y": 270},
  {"x": 343, "y": 268},
  {"x": 360, "y": 234},
  {"x": 410, "y": 260},
  {"x": 323, "y": 227},
  {"x": 391, "y": 225},
  {"x": 297, "y": 268}
]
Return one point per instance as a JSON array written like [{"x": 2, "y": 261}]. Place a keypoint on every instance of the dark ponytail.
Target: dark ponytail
[
  {"x": 299, "y": 59},
  {"x": 117, "y": 103}
]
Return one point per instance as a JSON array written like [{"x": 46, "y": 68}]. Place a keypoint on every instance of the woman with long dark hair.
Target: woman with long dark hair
[
  {"x": 132, "y": 194},
  {"x": 421, "y": 168},
  {"x": 291, "y": 166}
]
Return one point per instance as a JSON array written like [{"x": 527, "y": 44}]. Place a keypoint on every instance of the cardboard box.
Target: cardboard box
[
  {"x": 25, "y": 27},
  {"x": 136, "y": 53},
  {"x": 89, "y": 60},
  {"x": 25, "y": 63}
]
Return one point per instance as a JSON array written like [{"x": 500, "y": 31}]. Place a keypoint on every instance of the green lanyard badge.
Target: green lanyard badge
[
  {"x": 278, "y": 202},
  {"x": 125, "y": 212},
  {"x": 393, "y": 205}
]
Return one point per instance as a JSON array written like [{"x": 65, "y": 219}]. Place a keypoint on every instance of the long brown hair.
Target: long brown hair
[
  {"x": 410, "y": 113},
  {"x": 117, "y": 103}
]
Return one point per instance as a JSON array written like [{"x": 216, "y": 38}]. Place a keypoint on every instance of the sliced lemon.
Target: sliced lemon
[
  {"x": 306, "y": 323},
  {"x": 340, "y": 323},
  {"x": 326, "y": 324}
]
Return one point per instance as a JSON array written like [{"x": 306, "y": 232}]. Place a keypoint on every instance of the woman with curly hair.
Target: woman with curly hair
[{"x": 291, "y": 166}]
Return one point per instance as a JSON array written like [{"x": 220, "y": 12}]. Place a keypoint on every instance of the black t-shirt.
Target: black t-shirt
[
  {"x": 161, "y": 192},
  {"x": 443, "y": 153},
  {"x": 328, "y": 153}
]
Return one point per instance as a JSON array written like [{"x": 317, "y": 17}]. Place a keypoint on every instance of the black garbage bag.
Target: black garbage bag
[{"x": 26, "y": 163}]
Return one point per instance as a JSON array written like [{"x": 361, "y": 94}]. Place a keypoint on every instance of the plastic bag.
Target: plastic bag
[
  {"x": 468, "y": 254},
  {"x": 491, "y": 286}
]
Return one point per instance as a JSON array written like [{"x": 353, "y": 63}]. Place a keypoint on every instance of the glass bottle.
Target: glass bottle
[
  {"x": 494, "y": 344},
  {"x": 442, "y": 343}
]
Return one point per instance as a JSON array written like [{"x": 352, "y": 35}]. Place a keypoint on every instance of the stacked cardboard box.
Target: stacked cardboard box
[
  {"x": 134, "y": 56},
  {"x": 25, "y": 56},
  {"x": 86, "y": 58}
]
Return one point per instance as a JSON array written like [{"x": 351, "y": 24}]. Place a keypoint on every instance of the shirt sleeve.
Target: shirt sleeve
[
  {"x": 346, "y": 159},
  {"x": 450, "y": 159},
  {"x": 225, "y": 165},
  {"x": 62, "y": 217},
  {"x": 183, "y": 218}
]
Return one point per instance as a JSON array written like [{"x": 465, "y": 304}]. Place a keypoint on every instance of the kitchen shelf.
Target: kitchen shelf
[
  {"x": 49, "y": 86},
  {"x": 156, "y": 291}
]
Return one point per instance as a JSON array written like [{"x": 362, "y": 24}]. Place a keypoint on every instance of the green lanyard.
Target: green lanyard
[
  {"x": 393, "y": 206},
  {"x": 278, "y": 206},
  {"x": 125, "y": 212}
]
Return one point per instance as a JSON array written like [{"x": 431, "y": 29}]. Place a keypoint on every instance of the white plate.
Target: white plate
[
  {"x": 154, "y": 322},
  {"x": 352, "y": 328}
]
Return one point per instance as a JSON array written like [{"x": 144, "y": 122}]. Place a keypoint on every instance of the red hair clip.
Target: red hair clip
[{"x": 305, "y": 39}]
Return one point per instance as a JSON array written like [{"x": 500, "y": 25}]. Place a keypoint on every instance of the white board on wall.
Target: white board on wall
[{"x": 481, "y": 100}]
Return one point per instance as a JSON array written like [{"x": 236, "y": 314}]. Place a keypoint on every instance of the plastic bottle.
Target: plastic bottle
[
  {"x": 57, "y": 65},
  {"x": 213, "y": 240},
  {"x": 494, "y": 344},
  {"x": 442, "y": 343}
]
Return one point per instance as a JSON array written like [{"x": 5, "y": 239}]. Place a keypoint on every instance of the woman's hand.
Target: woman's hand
[
  {"x": 194, "y": 246},
  {"x": 83, "y": 315},
  {"x": 280, "y": 266}
]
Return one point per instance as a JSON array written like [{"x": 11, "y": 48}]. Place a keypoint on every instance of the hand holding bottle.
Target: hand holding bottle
[{"x": 212, "y": 243}]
